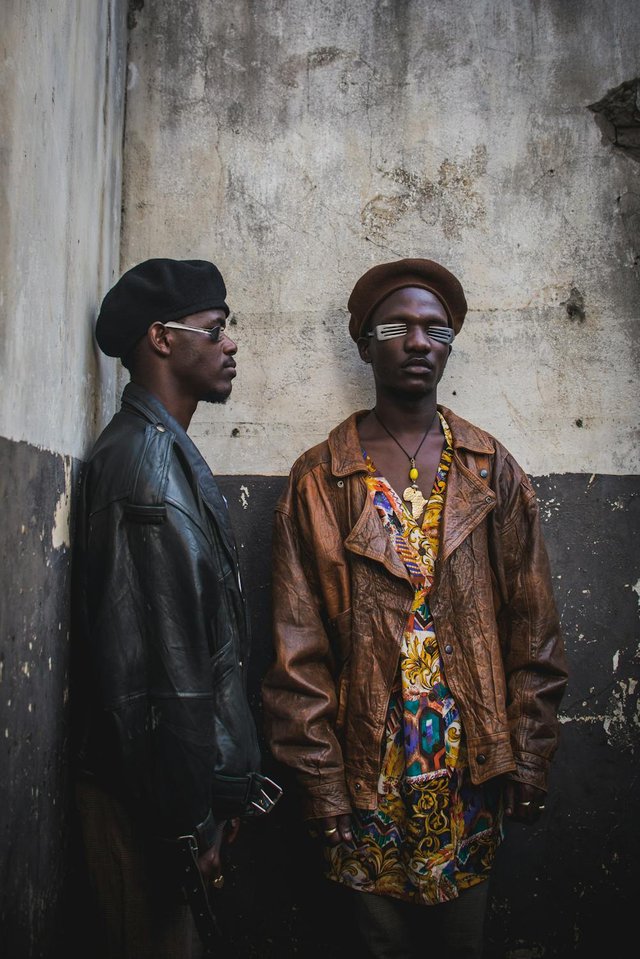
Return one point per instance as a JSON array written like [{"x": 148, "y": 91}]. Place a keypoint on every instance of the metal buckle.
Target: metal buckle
[{"x": 265, "y": 802}]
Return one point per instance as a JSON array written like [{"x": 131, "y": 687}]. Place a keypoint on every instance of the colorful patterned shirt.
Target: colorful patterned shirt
[{"x": 434, "y": 833}]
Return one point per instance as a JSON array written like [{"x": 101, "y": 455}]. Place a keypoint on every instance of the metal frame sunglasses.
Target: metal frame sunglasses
[{"x": 214, "y": 334}]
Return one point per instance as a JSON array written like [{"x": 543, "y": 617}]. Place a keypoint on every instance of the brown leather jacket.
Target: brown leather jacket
[{"x": 341, "y": 598}]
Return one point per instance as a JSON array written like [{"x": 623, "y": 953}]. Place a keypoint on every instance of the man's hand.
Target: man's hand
[
  {"x": 523, "y": 802},
  {"x": 332, "y": 829},
  {"x": 210, "y": 861}
]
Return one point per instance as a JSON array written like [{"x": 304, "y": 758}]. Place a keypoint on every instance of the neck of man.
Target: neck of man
[
  {"x": 406, "y": 413},
  {"x": 175, "y": 401}
]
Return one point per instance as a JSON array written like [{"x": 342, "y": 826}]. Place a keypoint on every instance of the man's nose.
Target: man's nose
[
  {"x": 228, "y": 345},
  {"x": 417, "y": 339}
]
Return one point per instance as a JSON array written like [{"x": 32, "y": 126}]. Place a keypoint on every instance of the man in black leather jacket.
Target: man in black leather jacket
[{"x": 168, "y": 756}]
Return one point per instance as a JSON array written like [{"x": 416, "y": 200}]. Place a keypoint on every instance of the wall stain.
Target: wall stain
[
  {"x": 135, "y": 6},
  {"x": 290, "y": 70},
  {"x": 451, "y": 199},
  {"x": 574, "y": 305}
]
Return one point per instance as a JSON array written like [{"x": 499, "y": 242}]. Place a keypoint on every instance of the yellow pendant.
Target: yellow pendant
[{"x": 413, "y": 474}]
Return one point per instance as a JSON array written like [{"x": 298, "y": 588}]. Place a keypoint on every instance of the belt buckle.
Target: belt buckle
[{"x": 269, "y": 794}]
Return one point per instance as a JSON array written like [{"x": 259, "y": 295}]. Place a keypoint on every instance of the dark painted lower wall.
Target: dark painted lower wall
[
  {"x": 569, "y": 886},
  {"x": 34, "y": 628},
  {"x": 566, "y": 888}
]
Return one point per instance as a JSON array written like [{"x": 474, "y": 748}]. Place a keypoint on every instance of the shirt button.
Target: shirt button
[
  {"x": 481, "y": 759},
  {"x": 484, "y": 473},
  {"x": 448, "y": 648}
]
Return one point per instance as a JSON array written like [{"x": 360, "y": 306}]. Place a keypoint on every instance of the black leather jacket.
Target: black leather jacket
[{"x": 162, "y": 629}]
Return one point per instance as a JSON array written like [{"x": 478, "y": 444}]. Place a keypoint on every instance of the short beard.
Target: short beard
[{"x": 214, "y": 397}]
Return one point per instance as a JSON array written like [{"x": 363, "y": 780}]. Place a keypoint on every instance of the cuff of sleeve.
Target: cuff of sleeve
[
  {"x": 327, "y": 799},
  {"x": 531, "y": 769}
]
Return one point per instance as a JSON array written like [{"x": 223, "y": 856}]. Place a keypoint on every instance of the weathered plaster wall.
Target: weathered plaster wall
[
  {"x": 296, "y": 144},
  {"x": 62, "y": 72}
]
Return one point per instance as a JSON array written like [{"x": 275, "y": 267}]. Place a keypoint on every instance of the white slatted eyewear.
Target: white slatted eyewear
[{"x": 387, "y": 331}]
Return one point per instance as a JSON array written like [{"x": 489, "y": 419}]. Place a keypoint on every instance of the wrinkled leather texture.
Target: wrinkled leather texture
[
  {"x": 161, "y": 626},
  {"x": 341, "y": 598}
]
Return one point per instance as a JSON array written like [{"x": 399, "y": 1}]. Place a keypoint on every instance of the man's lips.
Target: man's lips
[{"x": 417, "y": 363}]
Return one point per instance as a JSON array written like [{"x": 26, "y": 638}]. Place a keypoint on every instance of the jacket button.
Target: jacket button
[
  {"x": 448, "y": 648},
  {"x": 484, "y": 473},
  {"x": 488, "y": 499},
  {"x": 160, "y": 428},
  {"x": 358, "y": 787},
  {"x": 481, "y": 759},
  {"x": 340, "y": 484}
]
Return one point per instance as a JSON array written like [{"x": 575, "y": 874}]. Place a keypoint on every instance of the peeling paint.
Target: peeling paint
[
  {"x": 618, "y": 116},
  {"x": 450, "y": 199},
  {"x": 618, "y": 724},
  {"x": 244, "y": 497},
  {"x": 60, "y": 533}
]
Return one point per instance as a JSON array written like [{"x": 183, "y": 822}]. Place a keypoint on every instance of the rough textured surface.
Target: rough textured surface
[
  {"x": 62, "y": 73},
  {"x": 297, "y": 145},
  {"x": 618, "y": 115},
  {"x": 36, "y": 492}
]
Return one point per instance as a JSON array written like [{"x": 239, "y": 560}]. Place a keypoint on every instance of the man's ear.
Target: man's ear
[
  {"x": 363, "y": 348},
  {"x": 157, "y": 337}
]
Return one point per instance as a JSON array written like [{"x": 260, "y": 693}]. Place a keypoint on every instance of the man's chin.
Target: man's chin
[{"x": 216, "y": 397}]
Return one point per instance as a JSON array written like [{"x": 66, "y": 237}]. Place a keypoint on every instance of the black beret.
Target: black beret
[
  {"x": 382, "y": 280},
  {"x": 157, "y": 290}
]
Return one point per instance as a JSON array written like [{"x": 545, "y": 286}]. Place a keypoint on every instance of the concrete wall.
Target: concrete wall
[
  {"x": 62, "y": 73},
  {"x": 296, "y": 144}
]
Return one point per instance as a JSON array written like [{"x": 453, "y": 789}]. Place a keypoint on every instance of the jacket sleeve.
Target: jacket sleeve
[
  {"x": 299, "y": 691},
  {"x": 533, "y": 649}
]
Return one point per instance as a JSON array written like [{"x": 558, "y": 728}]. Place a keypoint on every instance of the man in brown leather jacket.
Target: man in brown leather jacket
[{"x": 418, "y": 658}]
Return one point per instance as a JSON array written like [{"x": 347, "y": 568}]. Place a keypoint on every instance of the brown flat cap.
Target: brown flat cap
[{"x": 382, "y": 280}]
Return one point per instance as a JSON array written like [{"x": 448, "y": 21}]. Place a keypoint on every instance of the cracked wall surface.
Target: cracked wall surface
[{"x": 296, "y": 147}]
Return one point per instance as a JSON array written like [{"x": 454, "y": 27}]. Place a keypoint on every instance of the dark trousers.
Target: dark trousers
[
  {"x": 140, "y": 913},
  {"x": 393, "y": 929}
]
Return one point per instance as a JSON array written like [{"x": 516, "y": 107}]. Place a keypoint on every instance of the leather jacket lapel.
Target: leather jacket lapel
[{"x": 151, "y": 408}]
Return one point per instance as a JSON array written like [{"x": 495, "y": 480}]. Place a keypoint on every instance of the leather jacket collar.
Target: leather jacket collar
[
  {"x": 139, "y": 400},
  {"x": 345, "y": 446}
]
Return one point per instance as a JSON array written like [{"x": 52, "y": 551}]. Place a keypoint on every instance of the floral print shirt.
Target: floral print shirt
[{"x": 433, "y": 833}]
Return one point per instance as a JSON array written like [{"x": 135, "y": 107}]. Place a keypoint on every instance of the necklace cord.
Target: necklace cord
[{"x": 412, "y": 459}]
